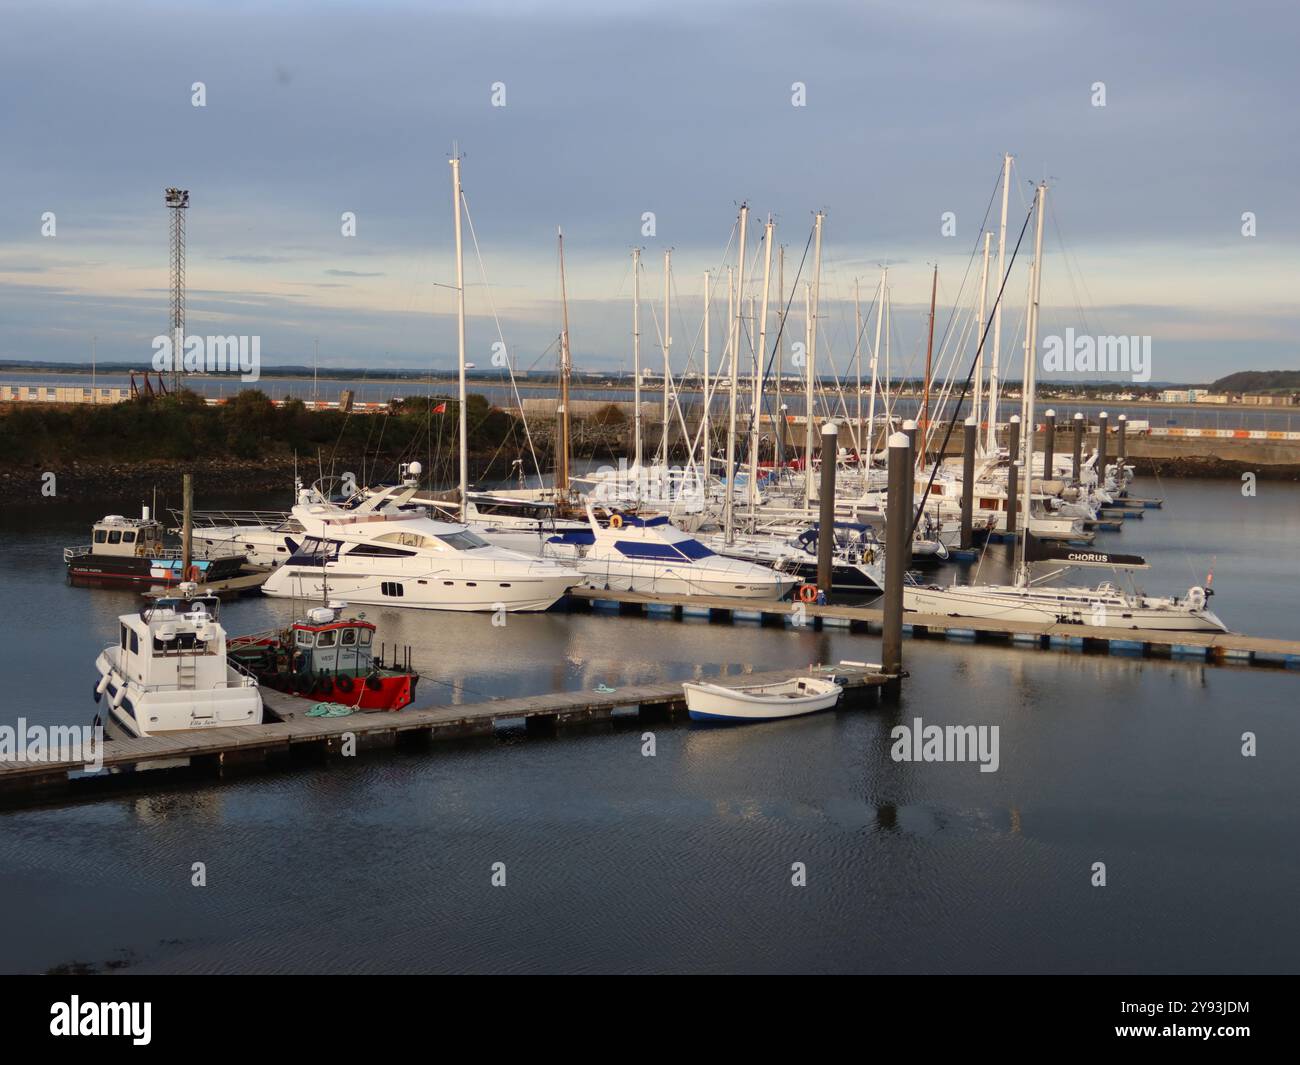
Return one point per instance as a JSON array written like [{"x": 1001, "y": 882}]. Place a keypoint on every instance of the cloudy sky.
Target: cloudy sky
[{"x": 614, "y": 108}]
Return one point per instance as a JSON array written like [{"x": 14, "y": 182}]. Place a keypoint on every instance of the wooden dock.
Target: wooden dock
[
  {"x": 295, "y": 738},
  {"x": 1215, "y": 648}
]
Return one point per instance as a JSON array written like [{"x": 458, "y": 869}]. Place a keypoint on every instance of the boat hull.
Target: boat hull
[
  {"x": 1014, "y": 607},
  {"x": 128, "y": 570},
  {"x": 425, "y": 592},
  {"x": 712, "y": 702}
]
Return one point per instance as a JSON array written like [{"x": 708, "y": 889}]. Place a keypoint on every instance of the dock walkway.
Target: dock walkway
[
  {"x": 296, "y": 735},
  {"x": 1216, "y": 648}
]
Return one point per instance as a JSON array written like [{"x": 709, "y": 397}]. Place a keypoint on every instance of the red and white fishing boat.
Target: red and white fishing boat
[{"x": 328, "y": 658}]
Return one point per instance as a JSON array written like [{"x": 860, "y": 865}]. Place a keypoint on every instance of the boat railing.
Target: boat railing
[
  {"x": 210, "y": 519},
  {"x": 69, "y": 553},
  {"x": 249, "y": 677}
]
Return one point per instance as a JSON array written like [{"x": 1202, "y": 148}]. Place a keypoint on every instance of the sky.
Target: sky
[{"x": 615, "y": 109}]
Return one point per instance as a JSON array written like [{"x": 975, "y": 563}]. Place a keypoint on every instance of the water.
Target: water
[{"x": 682, "y": 862}]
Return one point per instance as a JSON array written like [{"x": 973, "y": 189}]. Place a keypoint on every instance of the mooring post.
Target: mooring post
[
  {"x": 826, "y": 527},
  {"x": 968, "y": 483},
  {"x": 1121, "y": 443},
  {"x": 898, "y": 557},
  {"x": 909, "y": 430},
  {"x": 1013, "y": 471},
  {"x": 1102, "y": 423},
  {"x": 187, "y": 524},
  {"x": 1078, "y": 447},
  {"x": 1049, "y": 445}
]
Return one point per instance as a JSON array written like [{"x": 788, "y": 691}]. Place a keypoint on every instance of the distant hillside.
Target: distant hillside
[{"x": 1258, "y": 381}]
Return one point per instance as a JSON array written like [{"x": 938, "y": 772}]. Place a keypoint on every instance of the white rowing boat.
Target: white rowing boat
[{"x": 761, "y": 702}]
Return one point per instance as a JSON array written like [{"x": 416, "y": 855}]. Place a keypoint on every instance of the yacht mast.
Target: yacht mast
[
  {"x": 759, "y": 356},
  {"x": 779, "y": 448},
  {"x": 704, "y": 395},
  {"x": 812, "y": 358},
  {"x": 636, "y": 357},
  {"x": 735, "y": 375},
  {"x": 1031, "y": 360},
  {"x": 667, "y": 346},
  {"x": 991, "y": 439},
  {"x": 924, "y": 435},
  {"x": 857, "y": 364},
  {"x": 875, "y": 357},
  {"x": 460, "y": 336},
  {"x": 977, "y": 406},
  {"x": 566, "y": 367}
]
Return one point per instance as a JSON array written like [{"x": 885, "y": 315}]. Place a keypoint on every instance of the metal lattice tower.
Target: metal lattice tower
[{"x": 177, "y": 201}]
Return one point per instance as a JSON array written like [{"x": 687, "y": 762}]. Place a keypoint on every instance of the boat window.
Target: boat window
[
  {"x": 100, "y": 536},
  {"x": 135, "y": 644},
  {"x": 123, "y": 637},
  {"x": 392, "y": 588},
  {"x": 327, "y": 638},
  {"x": 463, "y": 541},
  {"x": 379, "y": 551},
  {"x": 640, "y": 549},
  {"x": 305, "y": 638},
  {"x": 128, "y": 537},
  {"x": 692, "y": 549},
  {"x": 406, "y": 539},
  {"x": 115, "y": 537},
  {"x": 349, "y": 637},
  {"x": 365, "y": 637}
]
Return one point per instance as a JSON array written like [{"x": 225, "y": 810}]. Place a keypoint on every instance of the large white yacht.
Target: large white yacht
[
  {"x": 378, "y": 553},
  {"x": 647, "y": 553}
]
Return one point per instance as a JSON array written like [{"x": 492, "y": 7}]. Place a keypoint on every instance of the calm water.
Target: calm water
[{"x": 683, "y": 861}]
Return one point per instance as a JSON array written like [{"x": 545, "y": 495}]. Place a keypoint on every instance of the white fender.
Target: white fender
[
  {"x": 1196, "y": 597},
  {"x": 102, "y": 685},
  {"x": 116, "y": 701}
]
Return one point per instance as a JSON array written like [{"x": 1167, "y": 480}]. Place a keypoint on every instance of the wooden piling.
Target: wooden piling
[{"x": 826, "y": 528}]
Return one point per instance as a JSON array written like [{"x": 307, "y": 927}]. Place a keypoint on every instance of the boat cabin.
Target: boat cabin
[
  {"x": 126, "y": 537},
  {"x": 327, "y": 643}
]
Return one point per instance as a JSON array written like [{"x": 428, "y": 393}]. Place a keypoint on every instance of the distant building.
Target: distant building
[
  {"x": 1183, "y": 395},
  {"x": 1268, "y": 399},
  {"x": 1214, "y": 397}
]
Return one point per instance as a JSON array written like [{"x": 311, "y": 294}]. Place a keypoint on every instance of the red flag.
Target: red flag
[{"x": 441, "y": 408}]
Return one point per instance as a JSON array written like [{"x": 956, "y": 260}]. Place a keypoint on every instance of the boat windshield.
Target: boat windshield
[{"x": 463, "y": 540}]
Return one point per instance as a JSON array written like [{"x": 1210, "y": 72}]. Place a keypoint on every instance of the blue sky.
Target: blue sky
[{"x": 615, "y": 109}]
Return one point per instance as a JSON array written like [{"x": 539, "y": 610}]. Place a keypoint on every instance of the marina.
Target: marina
[{"x": 711, "y": 489}]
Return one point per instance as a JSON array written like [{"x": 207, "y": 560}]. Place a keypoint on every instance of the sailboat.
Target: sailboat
[{"x": 1034, "y": 600}]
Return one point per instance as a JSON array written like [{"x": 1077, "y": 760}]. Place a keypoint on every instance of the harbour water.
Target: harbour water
[
  {"x": 684, "y": 861},
  {"x": 500, "y": 393}
]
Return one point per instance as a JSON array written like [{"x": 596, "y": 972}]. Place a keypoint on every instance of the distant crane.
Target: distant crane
[{"x": 177, "y": 201}]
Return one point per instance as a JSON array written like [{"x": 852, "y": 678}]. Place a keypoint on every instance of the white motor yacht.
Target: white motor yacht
[
  {"x": 647, "y": 553},
  {"x": 378, "y": 553},
  {"x": 168, "y": 671}
]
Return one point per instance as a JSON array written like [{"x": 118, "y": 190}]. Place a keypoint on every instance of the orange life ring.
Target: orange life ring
[
  {"x": 807, "y": 592},
  {"x": 616, "y": 521}
]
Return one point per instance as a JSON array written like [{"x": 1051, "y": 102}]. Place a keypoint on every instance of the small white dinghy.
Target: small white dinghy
[{"x": 761, "y": 702}]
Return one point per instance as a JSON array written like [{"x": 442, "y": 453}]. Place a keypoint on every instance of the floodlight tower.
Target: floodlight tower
[{"x": 177, "y": 201}]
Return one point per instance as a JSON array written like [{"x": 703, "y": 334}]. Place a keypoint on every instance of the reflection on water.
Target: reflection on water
[{"x": 683, "y": 861}]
